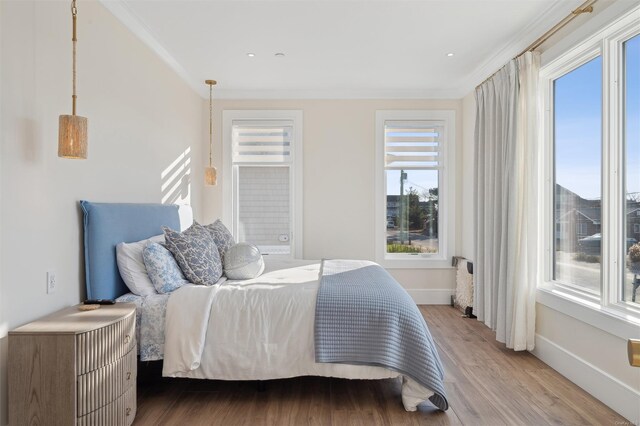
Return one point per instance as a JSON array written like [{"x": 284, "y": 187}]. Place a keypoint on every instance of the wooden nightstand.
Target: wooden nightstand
[{"x": 74, "y": 368}]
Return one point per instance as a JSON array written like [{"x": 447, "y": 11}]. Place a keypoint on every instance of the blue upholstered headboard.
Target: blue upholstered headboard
[{"x": 107, "y": 224}]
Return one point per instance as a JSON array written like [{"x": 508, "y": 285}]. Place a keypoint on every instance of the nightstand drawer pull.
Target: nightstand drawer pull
[
  {"x": 127, "y": 338},
  {"x": 128, "y": 411},
  {"x": 128, "y": 375}
]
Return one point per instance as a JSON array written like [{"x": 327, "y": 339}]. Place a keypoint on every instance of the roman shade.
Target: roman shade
[
  {"x": 411, "y": 145},
  {"x": 262, "y": 141}
]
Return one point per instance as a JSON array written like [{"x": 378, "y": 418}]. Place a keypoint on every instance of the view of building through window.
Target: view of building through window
[
  {"x": 577, "y": 107},
  {"x": 577, "y": 215}
]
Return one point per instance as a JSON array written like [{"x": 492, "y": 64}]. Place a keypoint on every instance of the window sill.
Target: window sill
[
  {"x": 417, "y": 263},
  {"x": 608, "y": 320}
]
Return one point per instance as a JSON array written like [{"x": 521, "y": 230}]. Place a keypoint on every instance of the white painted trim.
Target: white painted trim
[
  {"x": 431, "y": 296},
  {"x": 619, "y": 396},
  {"x": 447, "y": 186},
  {"x": 296, "y": 165},
  {"x": 608, "y": 320},
  {"x": 129, "y": 19},
  {"x": 416, "y": 93}
]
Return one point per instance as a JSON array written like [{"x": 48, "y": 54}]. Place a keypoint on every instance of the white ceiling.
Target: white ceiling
[{"x": 338, "y": 49}]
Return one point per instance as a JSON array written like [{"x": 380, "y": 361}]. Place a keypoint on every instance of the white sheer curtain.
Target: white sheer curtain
[{"x": 506, "y": 223}]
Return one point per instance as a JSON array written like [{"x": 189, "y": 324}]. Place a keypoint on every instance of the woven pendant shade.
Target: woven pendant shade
[
  {"x": 72, "y": 137},
  {"x": 72, "y": 129},
  {"x": 210, "y": 176}
]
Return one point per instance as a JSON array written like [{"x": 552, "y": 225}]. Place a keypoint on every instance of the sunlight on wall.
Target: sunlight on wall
[{"x": 176, "y": 180}]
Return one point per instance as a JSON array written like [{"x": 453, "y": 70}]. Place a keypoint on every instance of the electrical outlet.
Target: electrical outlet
[
  {"x": 51, "y": 282},
  {"x": 283, "y": 238}
]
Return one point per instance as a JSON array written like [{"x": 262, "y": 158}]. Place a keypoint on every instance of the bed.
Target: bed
[{"x": 298, "y": 318}]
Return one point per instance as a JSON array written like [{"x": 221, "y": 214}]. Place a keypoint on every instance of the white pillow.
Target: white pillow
[{"x": 131, "y": 266}]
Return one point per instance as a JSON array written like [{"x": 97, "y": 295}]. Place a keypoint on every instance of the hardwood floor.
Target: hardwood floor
[{"x": 486, "y": 385}]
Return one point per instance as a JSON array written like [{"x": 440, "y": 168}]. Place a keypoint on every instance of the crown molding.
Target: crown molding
[
  {"x": 518, "y": 43},
  {"x": 130, "y": 20},
  {"x": 337, "y": 94},
  {"x": 555, "y": 13}
]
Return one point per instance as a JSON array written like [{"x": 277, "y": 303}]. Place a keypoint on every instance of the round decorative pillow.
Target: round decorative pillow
[{"x": 243, "y": 261}]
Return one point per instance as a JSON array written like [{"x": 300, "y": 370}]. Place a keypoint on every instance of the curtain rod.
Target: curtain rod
[{"x": 586, "y": 7}]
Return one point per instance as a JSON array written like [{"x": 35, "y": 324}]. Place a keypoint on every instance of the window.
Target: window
[
  {"x": 592, "y": 203},
  {"x": 577, "y": 143},
  {"x": 263, "y": 179},
  {"x": 414, "y": 170},
  {"x": 631, "y": 119}
]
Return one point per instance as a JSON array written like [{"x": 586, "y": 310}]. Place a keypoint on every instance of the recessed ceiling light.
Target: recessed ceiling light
[
  {"x": 279, "y": 54},
  {"x": 251, "y": 55},
  {"x": 449, "y": 54}
]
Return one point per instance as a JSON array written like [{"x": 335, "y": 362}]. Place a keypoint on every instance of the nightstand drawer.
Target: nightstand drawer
[
  {"x": 103, "y": 346},
  {"x": 100, "y": 387},
  {"x": 121, "y": 412}
]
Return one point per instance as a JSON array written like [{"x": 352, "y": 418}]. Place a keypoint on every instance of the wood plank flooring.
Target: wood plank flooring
[{"x": 486, "y": 385}]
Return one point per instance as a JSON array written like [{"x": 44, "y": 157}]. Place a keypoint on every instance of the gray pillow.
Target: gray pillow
[
  {"x": 243, "y": 261},
  {"x": 196, "y": 253},
  {"x": 221, "y": 236}
]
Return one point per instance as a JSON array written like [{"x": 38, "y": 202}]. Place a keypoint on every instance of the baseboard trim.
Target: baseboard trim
[
  {"x": 431, "y": 296},
  {"x": 622, "y": 398}
]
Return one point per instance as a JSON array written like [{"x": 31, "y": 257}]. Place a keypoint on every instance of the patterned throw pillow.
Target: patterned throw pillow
[
  {"x": 221, "y": 236},
  {"x": 196, "y": 253},
  {"x": 164, "y": 272}
]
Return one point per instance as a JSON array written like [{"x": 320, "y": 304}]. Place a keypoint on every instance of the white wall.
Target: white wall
[
  {"x": 338, "y": 189},
  {"x": 142, "y": 117}
]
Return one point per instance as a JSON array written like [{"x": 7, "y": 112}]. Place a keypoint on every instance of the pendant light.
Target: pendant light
[
  {"x": 72, "y": 130},
  {"x": 210, "y": 173}
]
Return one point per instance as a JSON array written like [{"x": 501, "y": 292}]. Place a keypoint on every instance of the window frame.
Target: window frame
[
  {"x": 230, "y": 171},
  {"x": 611, "y": 312},
  {"x": 446, "y": 192}
]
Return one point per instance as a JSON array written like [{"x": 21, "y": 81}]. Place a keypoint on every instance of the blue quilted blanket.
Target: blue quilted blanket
[{"x": 363, "y": 316}]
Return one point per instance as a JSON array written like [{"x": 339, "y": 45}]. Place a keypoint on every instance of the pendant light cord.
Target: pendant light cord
[
  {"x": 210, "y": 121},
  {"x": 74, "y": 39}
]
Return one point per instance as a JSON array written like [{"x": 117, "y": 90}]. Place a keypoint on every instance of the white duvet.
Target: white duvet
[{"x": 257, "y": 329}]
